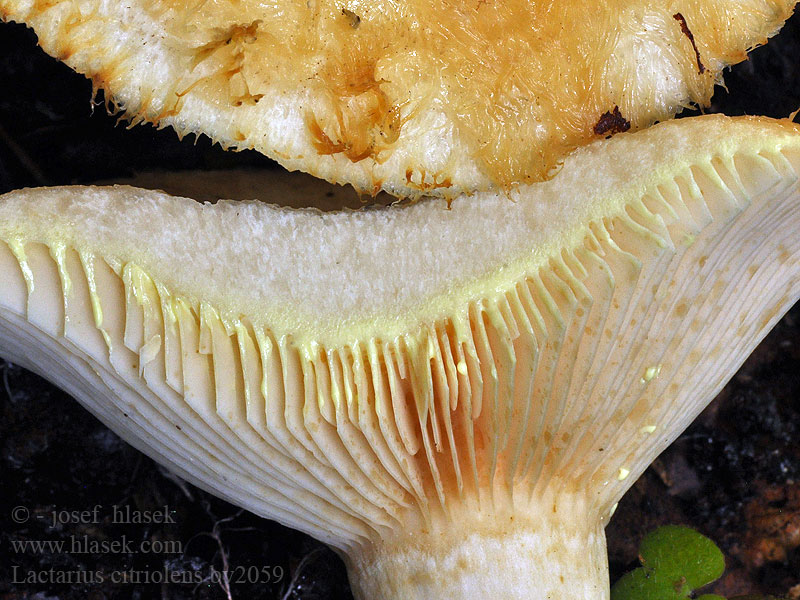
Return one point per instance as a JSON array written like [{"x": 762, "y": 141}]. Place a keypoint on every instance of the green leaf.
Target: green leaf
[
  {"x": 681, "y": 554},
  {"x": 645, "y": 584},
  {"x": 710, "y": 597}
]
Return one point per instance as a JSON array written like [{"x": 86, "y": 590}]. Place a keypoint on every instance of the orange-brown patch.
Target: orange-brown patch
[
  {"x": 361, "y": 122},
  {"x": 41, "y": 6},
  {"x": 226, "y": 55},
  {"x": 435, "y": 182}
]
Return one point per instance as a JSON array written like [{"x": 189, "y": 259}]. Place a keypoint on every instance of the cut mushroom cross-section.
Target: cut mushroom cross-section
[
  {"x": 457, "y": 419},
  {"x": 415, "y": 97}
]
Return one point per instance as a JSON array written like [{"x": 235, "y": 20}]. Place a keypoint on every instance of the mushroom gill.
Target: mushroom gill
[
  {"x": 457, "y": 419},
  {"x": 413, "y": 97}
]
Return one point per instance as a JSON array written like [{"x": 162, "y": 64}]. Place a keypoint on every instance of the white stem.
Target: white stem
[{"x": 538, "y": 559}]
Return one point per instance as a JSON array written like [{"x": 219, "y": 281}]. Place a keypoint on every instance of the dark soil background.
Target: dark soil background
[{"x": 734, "y": 475}]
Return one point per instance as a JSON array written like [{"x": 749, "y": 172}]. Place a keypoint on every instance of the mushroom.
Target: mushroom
[
  {"x": 413, "y": 97},
  {"x": 452, "y": 427}
]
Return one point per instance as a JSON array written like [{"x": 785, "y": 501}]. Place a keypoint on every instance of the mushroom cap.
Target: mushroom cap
[
  {"x": 350, "y": 375},
  {"x": 416, "y": 97}
]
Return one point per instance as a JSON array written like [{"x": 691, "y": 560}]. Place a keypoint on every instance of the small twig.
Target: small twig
[
  {"x": 6, "y": 385},
  {"x": 216, "y": 535},
  {"x": 182, "y": 485},
  {"x": 135, "y": 472},
  {"x": 299, "y": 571}
]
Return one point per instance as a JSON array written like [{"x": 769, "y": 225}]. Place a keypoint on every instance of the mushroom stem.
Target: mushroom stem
[{"x": 531, "y": 555}]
